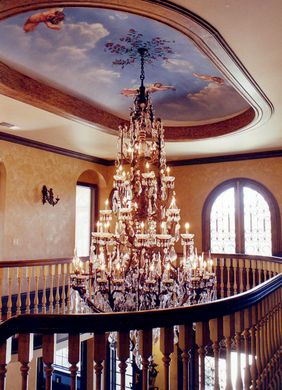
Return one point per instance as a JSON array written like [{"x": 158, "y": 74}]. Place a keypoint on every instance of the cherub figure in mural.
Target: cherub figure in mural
[
  {"x": 53, "y": 18},
  {"x": 206, "y": 77},
  {"x": 155, "y": 87}
]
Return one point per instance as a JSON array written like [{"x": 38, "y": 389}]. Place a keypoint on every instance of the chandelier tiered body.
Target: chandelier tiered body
[{"x": 133, "y": 262}]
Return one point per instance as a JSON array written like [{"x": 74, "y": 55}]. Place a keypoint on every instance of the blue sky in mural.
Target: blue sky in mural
[{"x": 74, "y": 59}]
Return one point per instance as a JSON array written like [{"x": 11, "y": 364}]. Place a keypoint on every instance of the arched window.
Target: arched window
[{"x": 241, "y": 216}]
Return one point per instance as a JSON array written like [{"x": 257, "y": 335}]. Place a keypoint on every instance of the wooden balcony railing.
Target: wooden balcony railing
[
  {"x": 239, "y": 334},
  {"x": 43, "y": 286}
]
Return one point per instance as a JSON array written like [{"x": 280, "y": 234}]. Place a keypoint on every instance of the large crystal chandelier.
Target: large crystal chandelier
[{"x": 133, "y": 262}]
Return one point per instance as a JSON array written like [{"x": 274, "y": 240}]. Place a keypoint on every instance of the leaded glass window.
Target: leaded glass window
[
  {"x": 257, "y": 224},
  {"x": 222, "y": 223},
  {"x": 241, "y": 216}
]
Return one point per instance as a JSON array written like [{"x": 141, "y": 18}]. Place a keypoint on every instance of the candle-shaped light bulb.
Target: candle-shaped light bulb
[
  {"x": 135, "y": 205},
  {"x": 142, "y": 227},
  {"x": 168, "y": 171},
  {"x": 147, "y": 165},
  {"x": 187, "y": 225},
  {"x": 123, "y": 174},
  {"x": 167, "y": 266},
  {"x": 98, "y": 226},
  {"x": 106, "y": 204},
  {"x": 163, "y": 226},
  {"x": 118, "y": 266}
]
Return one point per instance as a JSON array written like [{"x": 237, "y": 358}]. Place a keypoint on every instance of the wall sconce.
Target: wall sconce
[{"x": 48, "y": 196}]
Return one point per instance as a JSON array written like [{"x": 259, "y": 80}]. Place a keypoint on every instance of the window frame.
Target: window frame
[
  {"x": 238, "y": 184},
  {"x": 93, "y": 204}
]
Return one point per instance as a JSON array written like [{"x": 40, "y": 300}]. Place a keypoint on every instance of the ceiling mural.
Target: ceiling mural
[{"x": 83, "y": 51}]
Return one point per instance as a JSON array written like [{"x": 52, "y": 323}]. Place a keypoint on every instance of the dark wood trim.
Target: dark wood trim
[
  {"x": 174, "y": 163},
  {"x": 54, "y": 149},
  {"x": 227, "y": 158},
  {"x": 100, "y": 323},
  {"x": 238, "y": 183}
]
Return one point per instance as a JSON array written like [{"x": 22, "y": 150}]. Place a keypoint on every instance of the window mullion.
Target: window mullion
[{"x": 239, "y": 218}]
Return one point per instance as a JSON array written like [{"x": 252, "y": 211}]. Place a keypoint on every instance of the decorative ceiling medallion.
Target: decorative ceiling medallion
[{"x": 60, "y": 59}]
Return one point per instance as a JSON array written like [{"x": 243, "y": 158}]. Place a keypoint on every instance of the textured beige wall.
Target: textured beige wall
[
  {"x": 29, "y": 229},
  {"x": 195, "y": 182}
]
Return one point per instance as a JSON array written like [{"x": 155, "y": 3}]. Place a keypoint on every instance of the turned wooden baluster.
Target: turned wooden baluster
[
  {"x": 239, "y": 326},
  {"x": 10, "y": 284},
  {"x": 221, "y": 260},
  {"x": 247, "y": 266},
  {"x": 201, "y": 341},
  {"x": 264, "y": 270},
  {"x": 215, "y": 326},
  {"x": 73, "y": 358},
  {"x": 267, "y": 344},
  {"x": 90, "y": 284},
  {"x": 263, "y": 340},
  {"x": 185, "y": 343},
  {"x": 48, "y": 355},
  {"x": 259, "y": 347},
  {"x": 51, "y": 288},
  {"x": 64, "y": 275},
  {"x": 69, "y": 271},
  {"x": 145, "y": 344},
  {"x": 277, "y": 337},
  {"x": 99, "y": 357},
  {"x": 241, "y": 269},
  {"x": 36, "y": 297},
  {"x": 123, "y": 344},
  {"x": 166, "y": 347},
  {"x": 228, "y": 322},
  {"x": 5, "y": 358},
  {"x": 57, "y": 297},
  {"x": 234, "y": 265},
  {"x": 25, "y": 355},
  {"x": 44, "y": 298},
  {"x": 259, "y": 268},
  {"x": 19, "y": 272},
  {"x": 254, "y": 270},
  {"x": 246, "y": 334},
  {"x": 28, "y": 282},
  {"x": 228, "y": 265},
  {"x": 254, "y": 341},
  {"x": 271, "y": 360}
]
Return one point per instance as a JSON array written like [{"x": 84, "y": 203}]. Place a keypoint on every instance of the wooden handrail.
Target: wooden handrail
[
  {"x": 37, "y": 262},
  {"x": 83, "y": 323},
  {"x": 67, "y": 260},
  {"x": 273, "y": 259}
]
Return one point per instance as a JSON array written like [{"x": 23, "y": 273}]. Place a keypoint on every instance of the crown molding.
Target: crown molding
[
  {"x": 54, "y": 149},
  {"x": 227, "y": 158}
]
